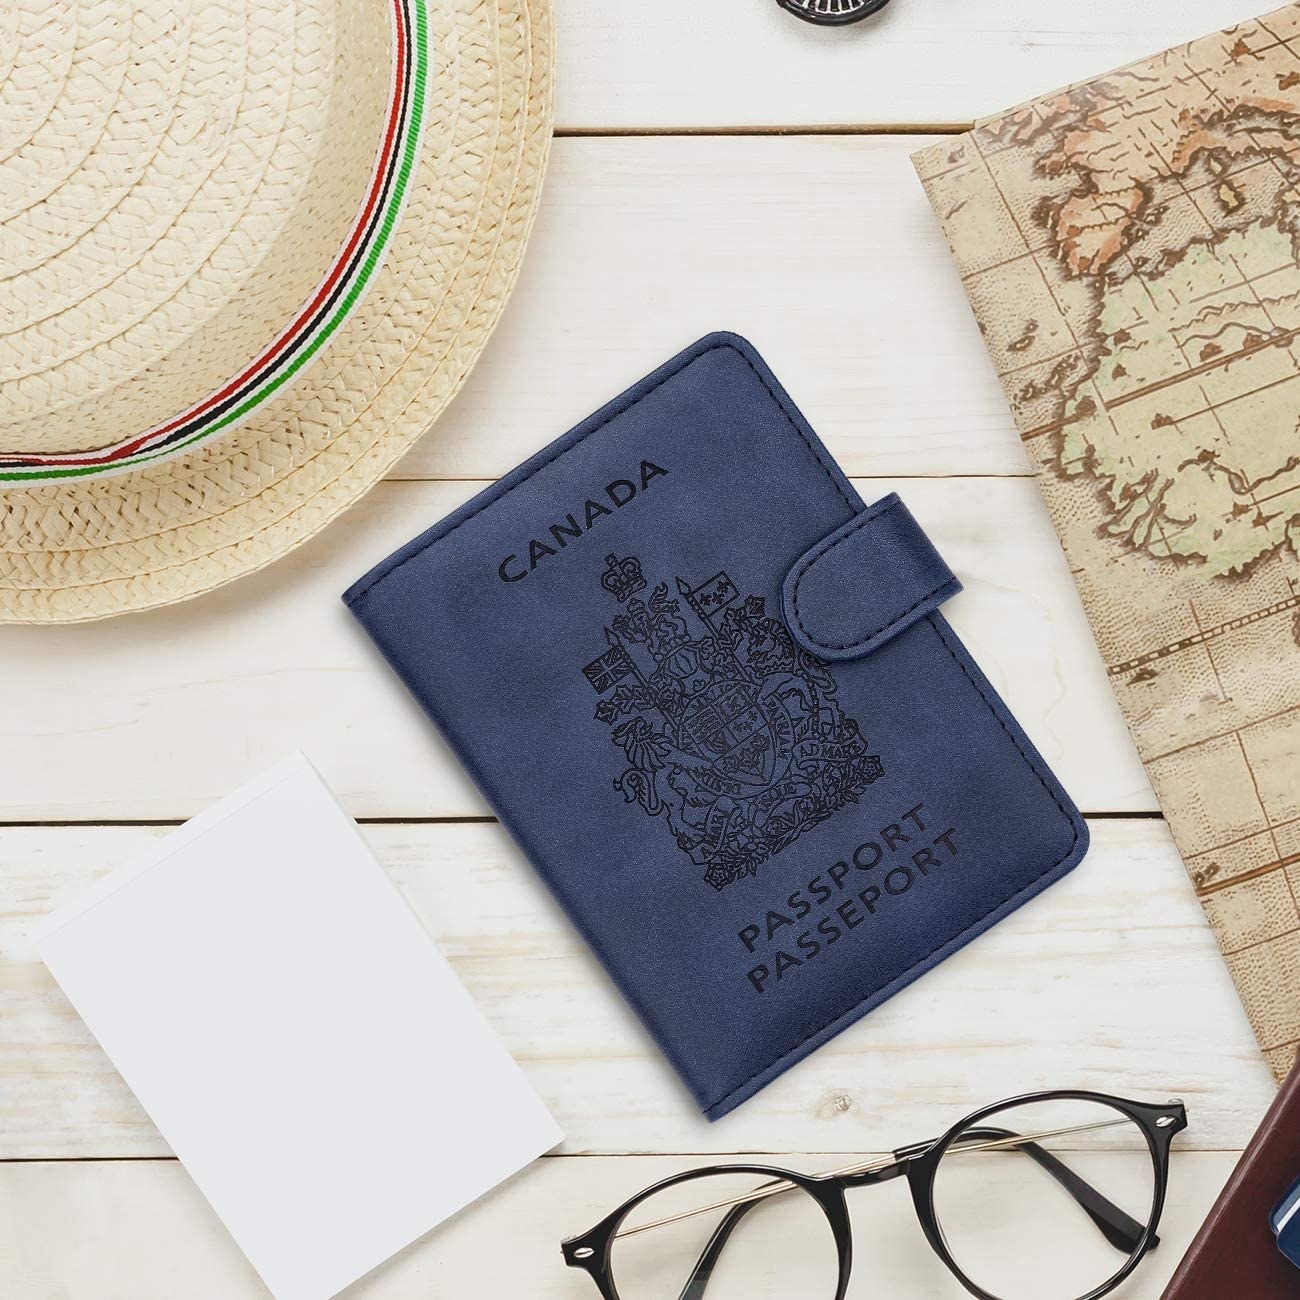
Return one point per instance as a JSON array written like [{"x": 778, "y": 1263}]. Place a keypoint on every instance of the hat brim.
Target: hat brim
[{"x": 172, "y": 531}]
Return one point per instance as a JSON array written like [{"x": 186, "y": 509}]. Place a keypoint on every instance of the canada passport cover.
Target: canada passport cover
[{"x": 711, "y": 695}]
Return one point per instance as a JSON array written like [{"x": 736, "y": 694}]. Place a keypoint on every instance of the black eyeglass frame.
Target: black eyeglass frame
[{"x": 592, "y": 1250}]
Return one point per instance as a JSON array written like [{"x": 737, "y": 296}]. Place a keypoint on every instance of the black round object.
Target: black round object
[{"x": 832, "y": 13}]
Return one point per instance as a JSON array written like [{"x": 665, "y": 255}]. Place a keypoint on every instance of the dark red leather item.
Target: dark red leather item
[{"x": 1234, "y": 1254}]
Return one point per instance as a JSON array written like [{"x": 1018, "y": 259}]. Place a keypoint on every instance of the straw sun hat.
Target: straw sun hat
[{"x": 249, "y": 250}]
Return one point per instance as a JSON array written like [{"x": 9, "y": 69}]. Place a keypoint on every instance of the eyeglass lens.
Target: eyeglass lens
[
  {"x": 770, "y": 1248},
  {"x": 1050, "y": 1219}
]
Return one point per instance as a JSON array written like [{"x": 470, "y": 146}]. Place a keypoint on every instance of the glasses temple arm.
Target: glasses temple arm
[{"x": 704, "y": 1266}]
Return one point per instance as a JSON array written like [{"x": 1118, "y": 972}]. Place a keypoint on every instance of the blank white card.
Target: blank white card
[{"x": 296, "y": 1036}]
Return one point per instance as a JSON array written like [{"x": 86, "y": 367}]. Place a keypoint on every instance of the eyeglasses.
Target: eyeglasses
[{"x": 1049, "y": 1196}]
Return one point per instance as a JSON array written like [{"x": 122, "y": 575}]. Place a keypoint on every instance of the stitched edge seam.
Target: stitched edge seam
[
  {"x": 1032, "y": 885},
  {"x": 634, "y": 1002},
  {"x": 805, "y": 568}
]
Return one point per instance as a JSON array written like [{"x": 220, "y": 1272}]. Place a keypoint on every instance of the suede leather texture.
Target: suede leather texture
[{"x": 711, "y": 695}]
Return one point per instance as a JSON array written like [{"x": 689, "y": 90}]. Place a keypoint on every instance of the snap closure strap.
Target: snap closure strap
[{"x": 864, "y": 584}]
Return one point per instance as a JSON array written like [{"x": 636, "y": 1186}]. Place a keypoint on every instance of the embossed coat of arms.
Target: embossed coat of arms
[{"x": 732, "y": 732}]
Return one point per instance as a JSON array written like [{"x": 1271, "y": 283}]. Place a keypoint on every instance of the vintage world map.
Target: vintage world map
[{"x": 1131, "y": 249}]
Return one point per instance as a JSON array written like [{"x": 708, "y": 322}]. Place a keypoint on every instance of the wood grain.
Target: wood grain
[
  {"x": 683, "y": 63},
  {"x": 141, "y": 1230},
  {"x": 1110, "y": 980}
]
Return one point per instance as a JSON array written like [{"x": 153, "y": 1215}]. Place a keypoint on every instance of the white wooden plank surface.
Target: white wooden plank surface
[
  {"x": 158, "y": 714},
  {"x": 823, "y": 250},
  {"x": 697, "y": 63},
  {"x": 1109, "y": 980},
  {"x": 141, "y": 1231}
]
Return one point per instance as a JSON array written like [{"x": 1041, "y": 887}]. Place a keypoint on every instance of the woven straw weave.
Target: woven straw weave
[{"x": 174, "y": 181}]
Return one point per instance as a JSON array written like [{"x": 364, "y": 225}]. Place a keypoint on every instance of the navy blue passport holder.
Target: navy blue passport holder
[{"x": 711, "y": 695}]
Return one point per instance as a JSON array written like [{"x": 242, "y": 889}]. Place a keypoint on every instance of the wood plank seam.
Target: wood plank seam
[{"x": 825, "y": 128}]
